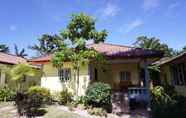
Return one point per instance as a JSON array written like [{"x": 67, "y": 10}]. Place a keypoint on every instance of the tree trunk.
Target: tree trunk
[{"x": 78, "y": 81}]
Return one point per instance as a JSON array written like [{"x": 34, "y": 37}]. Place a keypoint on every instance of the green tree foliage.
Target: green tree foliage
[
  {"x": 184, "y": 49},
  {"x": 154, "y": 44},
  {"x": 78, "y": 32},
  {"x": 81, "y": 29},
  {"x": 48, "y": 44},
  {"x": 21, "y": 71},
  {"x": 4, "y": 48},
  {"x": 181, "y": 51},
  {"x": 20, "y": 53}
]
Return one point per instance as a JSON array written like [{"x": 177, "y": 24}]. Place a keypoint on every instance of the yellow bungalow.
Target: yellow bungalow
[
  {"x": 126, "y": 67},
  {"x": 173, "y": 72}
]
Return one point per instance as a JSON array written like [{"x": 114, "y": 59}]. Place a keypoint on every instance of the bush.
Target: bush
[
  {"x": 179, "y": 109},
  {"x": 55, "y": 96},
  {"x": 99, "y": 95},
  {"x": 29, "y": 104},
  {"x": 6, "y": 94},
  {"x": 97, "y": 112},
  {"x": 42, "y": 92},
  {"x": 163, "y": 106},
  {"x": 65, "y": 97},
  {"x": 81, "y": 100}
]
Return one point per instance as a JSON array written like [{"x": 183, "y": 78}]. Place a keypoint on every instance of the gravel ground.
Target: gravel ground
[{"x": 8, "y": 110}]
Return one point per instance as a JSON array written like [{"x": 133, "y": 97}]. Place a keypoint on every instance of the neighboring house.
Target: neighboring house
[
  {"x": 126, "y": 67},
  {"x": 7, "y": 61},
  {"x": 173, "y": 72}
]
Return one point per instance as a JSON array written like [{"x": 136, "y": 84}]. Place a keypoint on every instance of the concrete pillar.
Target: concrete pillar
[
  {"x": 2, "y": 78},
  {"x": 147, "y": 85}
]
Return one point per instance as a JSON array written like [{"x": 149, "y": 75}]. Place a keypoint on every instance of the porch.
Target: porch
[
  {"x": 129, "y": 79},
  {"x": 121, "y": 74}
]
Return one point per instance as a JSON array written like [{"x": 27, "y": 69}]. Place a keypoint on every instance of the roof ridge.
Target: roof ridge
[
  {"x": 119, "y": 45},
  {"x": 111, "y": 44},
  {"x": 40, "y": 56},
  {"x": 12, "y": 55}
]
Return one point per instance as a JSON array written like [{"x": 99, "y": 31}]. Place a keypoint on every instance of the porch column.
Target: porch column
[
  {"x": 147, "y": 84},
  {"x": 2, "y": 78}
]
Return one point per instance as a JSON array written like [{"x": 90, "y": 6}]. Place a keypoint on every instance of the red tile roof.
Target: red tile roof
[
  {"x": 44, "y": 58},
  {"x": 109, "y": 49},
  {"x": 112, "y": 51},
  {"x": 11, "y": 59},
  {"x": 176, "y": 59}
]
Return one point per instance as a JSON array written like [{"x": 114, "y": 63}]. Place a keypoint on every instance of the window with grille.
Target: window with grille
[
  {"x": 125, "y": 76},
  {"x": 64, "y": 74},
  {"x": 179, "y": 74}
]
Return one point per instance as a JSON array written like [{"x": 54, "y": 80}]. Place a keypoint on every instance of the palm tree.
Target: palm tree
[
  {"x": 20, "y": 53},
  {"x": 154, "y": 44},
  {"x": 4, "y": 48},
  {"x": 48, "y": 44},
  {"x": 20, "y": 72}
]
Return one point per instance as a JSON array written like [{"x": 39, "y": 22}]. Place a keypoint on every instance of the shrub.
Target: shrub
[
  {"x": 166, "y": 104},
  {"x": 170, "y": 90},
  {"x": 65, "y": 97},
  {"x": 99, "y": 95},
  {"x": 6, "y": 94},
  {"x": 179, "y": 109},
  {"x": 162, "y": 104},
  {"x": 97, "y": 112},
  {"x": 56, "y": 96},
  {"x": 29, "y": 104},
  {"x": 81, "y": 100},
  {"x": 42, "y": 92}
]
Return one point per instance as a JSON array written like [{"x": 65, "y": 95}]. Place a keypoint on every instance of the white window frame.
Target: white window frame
[
  {"x": 64, "y": 74},
  {"x": 125, "y": 76}
]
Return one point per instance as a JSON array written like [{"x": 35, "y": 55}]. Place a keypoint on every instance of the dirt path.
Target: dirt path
[{"x": 8, "y": 110}]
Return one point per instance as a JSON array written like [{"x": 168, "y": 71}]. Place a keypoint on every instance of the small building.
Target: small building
[
  {"x": 173, "y": 72},
  {"x": 7, "y": 61},
  {"x": 126, "y": 67}
]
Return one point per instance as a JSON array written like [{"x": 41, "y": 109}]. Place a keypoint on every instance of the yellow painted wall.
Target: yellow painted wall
[
  {"x": 3, "y": 68},
  {"x": 6, "y": 78},
  {"x": 51, "y": 80},
  {"x": 111, "y": 73},
  {"x": 166, "y": 74},
  {"x": 108, "y": 73}
]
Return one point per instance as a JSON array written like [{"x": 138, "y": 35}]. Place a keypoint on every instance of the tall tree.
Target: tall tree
[
  {"x": 82, "y": 29},
  {"x": 20, "y": 53},
  {"x": 153, "y": 43},
  {"x": 48, "y": 44},
  {"x": 4, "y": 48},
  {"x": 79, "y": 31}
]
